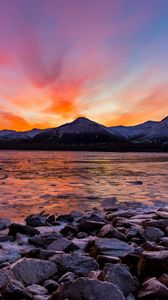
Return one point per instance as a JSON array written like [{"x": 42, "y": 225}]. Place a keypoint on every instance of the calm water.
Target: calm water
[{"x": 60, "y": 182}]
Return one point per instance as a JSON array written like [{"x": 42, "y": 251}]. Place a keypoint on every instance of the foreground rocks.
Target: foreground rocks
[{"x": 111, "y": 253}]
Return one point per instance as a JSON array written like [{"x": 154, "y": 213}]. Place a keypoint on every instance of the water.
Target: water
[{"x": 60, "y": 182}]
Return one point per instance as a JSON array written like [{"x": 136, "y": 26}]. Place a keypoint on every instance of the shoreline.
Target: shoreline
[{"x": 115, "y": 252}]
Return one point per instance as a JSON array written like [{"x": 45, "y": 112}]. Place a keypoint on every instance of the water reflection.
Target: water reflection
[{"x": 64, "y": 181}]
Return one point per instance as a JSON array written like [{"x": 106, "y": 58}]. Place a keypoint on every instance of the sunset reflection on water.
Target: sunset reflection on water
[{"x": 60, "y": 182}]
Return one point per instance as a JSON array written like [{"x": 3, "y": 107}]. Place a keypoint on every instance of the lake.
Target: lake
[{"x": 60, "y": 182}]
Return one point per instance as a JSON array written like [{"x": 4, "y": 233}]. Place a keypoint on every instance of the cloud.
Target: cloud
[{"x": 9, "y": 120}]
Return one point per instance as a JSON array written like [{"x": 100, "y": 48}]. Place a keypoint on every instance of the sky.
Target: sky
[{"x": 61, "y": 59}]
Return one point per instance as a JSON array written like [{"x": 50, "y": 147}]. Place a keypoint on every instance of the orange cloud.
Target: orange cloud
[{"x": 11, "y": 121}]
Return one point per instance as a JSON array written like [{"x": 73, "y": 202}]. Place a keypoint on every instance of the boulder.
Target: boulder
[
  {"x": 152, "y": 234},
  {"x": 164, "y": 279},
  {"x": 32, "y": 271},
  {"x": 120, "y": 275},
  {"x": 61, "y": 244},
  {"x": 103, "y": 259},
  {"x": 152, "y": 289},
  {"x": 43, "y": 240},
  {"x": 79, "y": 264},
  {"x": 36, "y": 220},
  {"x": 109, "y": 231},
  {"x": 36, "y": 289},
  {"x": 87, "y": 289},
  {"x": 50, "y": 285},
  {"x": 153, "y": 263},
  {"x": 111, "y": 247},
  {"x": 14, "y": 228},
  {"x": 67, "y": 277},
  {"x": 15, "y": 290}
]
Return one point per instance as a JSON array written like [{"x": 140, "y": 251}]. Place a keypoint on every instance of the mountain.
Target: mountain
[
  {"x": 84, "y": 134},
  {"x": 157, "y": 133},
  {"x": 132, "y": 132},
  {"x": 81, "y": 131}
]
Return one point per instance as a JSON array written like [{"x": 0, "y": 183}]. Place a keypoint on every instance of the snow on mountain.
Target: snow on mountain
[
  {"x": 17, "y": 135},
  {"x": 4, "y": 133},
  {"x": 132, "y": 132},
  {"x": 158, "y": 132},
  {"x": 81, "y": 130}
]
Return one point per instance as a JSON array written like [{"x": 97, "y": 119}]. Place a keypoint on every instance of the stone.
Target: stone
[
  {"x": 15, "y": 290},
  {"x": 109, "y": 231},
  {"x": 132, "y": 232},
  {"x": 164, "y": 242},
  {"x": 119, "y": 275},
  {"x": 67, "y": 277},
  {"x": 152, "y": 234},
  {"x": 68, "y": 229},
  {"x": 25, "y": 229},
  {"x": 35, "y": 220},
  {"x": 4, "y": 223},
  {"x": 84, "y": 243},
  {"x": 61, "y": 244},
  {"x": 50, "y": 285},
  {"x": 79, "y": 264},
  {"x": 153, "y": 263},
  {"x": 43, "y": 240},
  {"x": 32, "y": 271},
  {"x": 164, "y": 279},
  {"x": 88, "y": 289},
  {"x": 6, "y": 238},
  {"x": 36, "y": 289},
  {"x": 161, "y": 224},
  {"x": 103, "y": 259},
  {"x": 120, "y": 213},
  {"x": 152, "y": 246},
  {"x": 153, "y": 288},
  {"x": 91, "y": 222},
  {"x": 162, "y": 214},
  {"x": 65, "y": 218},
  {"x": 111, "y": 247},
  {"x": 41, "y": 297}
]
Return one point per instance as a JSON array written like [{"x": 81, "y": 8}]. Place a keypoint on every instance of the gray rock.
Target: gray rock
[
  {"x": 109, "y": 231},
  {"x": 112, "y": 247},
  {"x": 84, "y": 243},
  {"x": 43, "y": 240},
  {"x": 31, "y": 271},
  {"x": 152, "y": 234},
  {"x": 36, "y": 289},
  {"x": 36, "y": 220},
  {"x": 15, "y": 290},
  {"x": 25, "y": 229},
  {"x": 87, "y": 289},
  {"x": 50, "y": 285},
  {"x": 103, "y": 259},
  {"x": 78, "y": 264},
  {"x": 67, "y": 277},
  {"x": 153, "y": 263},
  {"x": 153, "y": 288},
  {"x": 61, "y": 244},
  {"x": 120, "y": 275}
]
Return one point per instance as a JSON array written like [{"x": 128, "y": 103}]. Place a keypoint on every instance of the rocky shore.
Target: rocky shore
[{"x": 114, "y": 253}]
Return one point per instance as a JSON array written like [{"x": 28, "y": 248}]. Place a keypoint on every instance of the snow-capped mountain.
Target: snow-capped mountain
[
  {"x": 132, "y": 132},
  {"x": 157, "y": 133},
  {"x": 81, "y": 130},
  {"x": 84, "y": 134}
]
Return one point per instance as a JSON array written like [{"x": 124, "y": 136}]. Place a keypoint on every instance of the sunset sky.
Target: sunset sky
[{"x": 103, "y": 59}]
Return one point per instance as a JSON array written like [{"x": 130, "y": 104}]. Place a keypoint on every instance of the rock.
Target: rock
[
  {"x": 119, "y": 275},
  {"x": 65, "y": 218},
  {"x": 78, "y": 264},
  {"x": 152, "y": 234},
  {"x": 120, "y": 213},
  {"x": 164, "y": 279},
  {"x": 32, "y": 271},
  {"x": 21, "y": 239},
  {"x": 43, "y": 240},
  {"x": 15, "y": 290},
  {"x": 153, "y": 263},
  {"x": 67, "y": 277},
  {"x": 153, "y": 288},
  {"x": 4, "y": 223},
  {"x": 81, "y": 235},
  {"x": 36, "y": 220},
  {"x": 92, "y": 222},
  {"x": 68, "y": 229},
  {"x": 162, "y": 214},
  {"x": 84, "y": 243},
  {"x": 164, "y": 242},
  {"x": 109, "y": 231},
  {"x": 130, "y": 297},
  {"x": 161, "y": 224},
  {"x": 151, "y": 246},
  {"x": 25, "y": 229},
  {"x": 87, "y": 289},
  {"x": 132, "y": 232},
  {"x": 40, "y": 297},
  {"x": 61, "y": 244},
  {"x": 103, "y": 259},
  {"x": 36, "y": 289},
  {"x": 111, "y": 247},
  {"x": 50, "y": 285}
]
